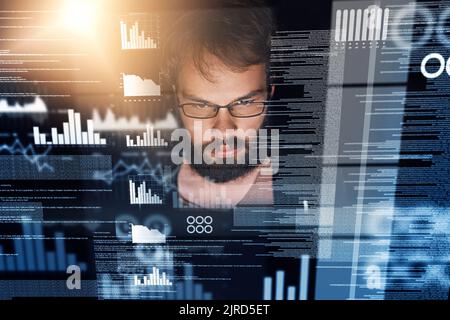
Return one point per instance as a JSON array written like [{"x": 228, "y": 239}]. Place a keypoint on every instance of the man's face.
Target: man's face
[{"x": 223, "y": 86}]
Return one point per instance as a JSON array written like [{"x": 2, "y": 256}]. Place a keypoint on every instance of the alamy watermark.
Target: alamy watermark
[{"x": 74, "y": 280}]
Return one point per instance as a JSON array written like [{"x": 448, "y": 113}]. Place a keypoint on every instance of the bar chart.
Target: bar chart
[
  {"x": 185, "y": 288},
  {"x": 188, "y": 289},
  {"x": 139, "y": 31},
  {"x": 370, "y": 24},
  {"x": 30, "y": 253},
  {"x": 289, "y": 293},
  {"x": 148, "y": 139},
  {"x": 153, "y": 279},
  {"x": 72, "y": 133},
  {"x": 146, "y": 192}
]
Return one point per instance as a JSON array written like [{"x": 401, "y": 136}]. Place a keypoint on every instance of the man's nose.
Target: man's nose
[{"x": 224, "y": 120}]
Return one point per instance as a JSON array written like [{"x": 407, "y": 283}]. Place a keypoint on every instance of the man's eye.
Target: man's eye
[
  {"x": 244, "y": 102},
  {"x": 201, "y": 106}
]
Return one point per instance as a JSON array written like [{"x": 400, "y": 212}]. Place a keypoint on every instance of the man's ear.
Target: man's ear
[{"x": 272, "y": 90}]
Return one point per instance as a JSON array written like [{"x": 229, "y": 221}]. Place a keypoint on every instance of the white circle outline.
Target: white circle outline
[
  {"x": 197, "y": 229},
  {"x": 188, "y": 228},
  {"x": 187, "y": 220},
  {"x": 401, "y": 42},
  {"x": 210, "y": 218},
  {"x": 210, "y": 227},
  {"x": 198, "y": 219},
  {"x": 436, "y": 74}
]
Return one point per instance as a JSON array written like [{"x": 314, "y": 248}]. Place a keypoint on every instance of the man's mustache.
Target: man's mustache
[{"x": 228, "y": 140}]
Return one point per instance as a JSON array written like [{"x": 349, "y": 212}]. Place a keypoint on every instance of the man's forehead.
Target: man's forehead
[{"x": 222, "y": 81}]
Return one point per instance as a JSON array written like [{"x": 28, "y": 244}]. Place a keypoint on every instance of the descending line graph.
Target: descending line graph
[
  {"x": 29, "y": 153},
  {"x": 135, "y": 86}
]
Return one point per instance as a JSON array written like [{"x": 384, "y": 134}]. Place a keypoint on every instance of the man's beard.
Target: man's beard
[{"x": 223, "y": 172}]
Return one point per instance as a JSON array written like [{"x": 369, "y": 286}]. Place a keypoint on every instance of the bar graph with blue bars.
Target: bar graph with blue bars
[
  {"x": 287, "y": 293},
  {"x": 30, "y": 255},
  {"x": 188, "y": 289}
]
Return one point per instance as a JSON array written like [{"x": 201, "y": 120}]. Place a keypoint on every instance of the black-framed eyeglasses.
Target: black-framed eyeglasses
[{"x": 245, "y": 108}]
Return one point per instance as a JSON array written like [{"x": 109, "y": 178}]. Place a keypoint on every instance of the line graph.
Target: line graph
[
  {"x": 19, "y": 162},
  {"x": 123, "y": 168},
  {"x": 29, "y": 153}
]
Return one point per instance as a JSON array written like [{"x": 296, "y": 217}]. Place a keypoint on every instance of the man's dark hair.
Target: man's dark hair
[{"x": 238, "y": 33}]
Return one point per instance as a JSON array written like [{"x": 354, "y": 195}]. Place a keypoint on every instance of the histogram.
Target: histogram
[
  {"x": 143, "y": 194},
  {"x": 153, "y": 279},
  {"x": 30, "y": 254},
  {"x": 72, "y": 134},
  {"x": 134, "y": 38},
  {"x": 148, "y": 139},
  {"x": 287, "y": 293}
]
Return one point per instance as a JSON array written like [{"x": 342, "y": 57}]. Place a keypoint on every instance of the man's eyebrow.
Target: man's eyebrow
[
  {"x": 251, "y": 94},
  {"x": 193, "y": 97}
]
